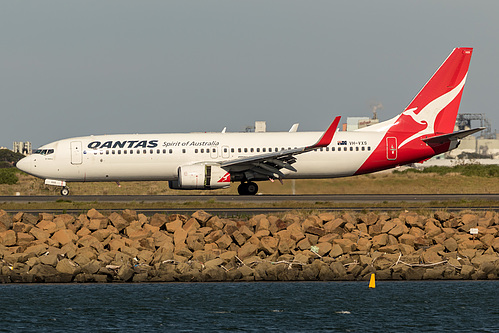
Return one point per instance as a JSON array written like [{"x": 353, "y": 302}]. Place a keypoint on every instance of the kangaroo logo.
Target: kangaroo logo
[
  {"x": 430, "y": 112},
  {"x": 225, "y": 178}
]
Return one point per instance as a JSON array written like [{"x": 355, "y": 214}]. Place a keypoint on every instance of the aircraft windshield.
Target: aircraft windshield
[{"x": 44, "y": 151}]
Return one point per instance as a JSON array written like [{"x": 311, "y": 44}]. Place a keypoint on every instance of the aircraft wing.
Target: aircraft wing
[
  {"x": 270, "y": 164},
  {"x": 452, "y": 136}
]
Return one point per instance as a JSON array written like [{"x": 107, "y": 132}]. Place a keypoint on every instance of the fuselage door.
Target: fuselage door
[
  {"x": 76, "y": 152},
  {"x": 391, "y": 149}
]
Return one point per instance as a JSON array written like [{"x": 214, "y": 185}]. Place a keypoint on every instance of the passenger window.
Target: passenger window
[
  {"x": 202, "y": 150},
  {"x": 113, "y": 152},
  {"x": 138, "y": 151},
  {"x": 356, "y": 148},
  {"x": 124, "y": 151},
  {"x": 363, "y": 148},
  {"x": 232, "y": 150},
  {"x": 195, "y": 151},
  {"x": 225, "y": 150},
  {"x": 257, "y": 150},
  {"x": 144, "y": 151},
  {"x": 119, "y": 152},
  {"x": 183, "y": 151},
  {"x": 344, "y": 148},
  {"x": 332, "y": 148},
  {"x": 131, "y": 152},
  {"x": 252, "y": 150},
  {"x": 368, "y": 148},
  {"x": 158, "y": 151},
  {"x": 238, "y": 150},
  {"x": 245, "y": 150},
  {"x": 171, "y": 151},
  {"x": 264, "y": 150},
  {"x": 351, "y": 148},
  {"x": 107, "y": 152}
]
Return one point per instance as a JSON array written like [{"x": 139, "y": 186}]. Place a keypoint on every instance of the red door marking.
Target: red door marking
[{"x": 391, "y": 148}]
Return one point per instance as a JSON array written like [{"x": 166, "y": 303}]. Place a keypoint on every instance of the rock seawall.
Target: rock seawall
[{"x": 131, "y": 247}]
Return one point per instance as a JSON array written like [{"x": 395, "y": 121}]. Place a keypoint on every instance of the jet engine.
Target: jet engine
[{"x": 200, "y": 177}]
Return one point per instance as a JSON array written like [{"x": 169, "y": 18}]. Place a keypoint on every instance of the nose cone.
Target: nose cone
[{"x": 24, "y": 164}]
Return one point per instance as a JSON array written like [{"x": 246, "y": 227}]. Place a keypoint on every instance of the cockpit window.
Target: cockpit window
[{"x": 44, "y": 151}]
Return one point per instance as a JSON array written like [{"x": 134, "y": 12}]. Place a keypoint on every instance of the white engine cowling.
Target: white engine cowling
[{"x": 201, "y": 177}]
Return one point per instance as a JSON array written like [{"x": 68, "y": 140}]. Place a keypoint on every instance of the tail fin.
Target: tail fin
[{"x": 434, "y": 110}]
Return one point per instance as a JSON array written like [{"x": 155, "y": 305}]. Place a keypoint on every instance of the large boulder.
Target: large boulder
[
  {"x": 158, "y": 220},
  {"x": 247, "y": 250},
  {"x": 269, "y": 244},
  {"x": 8, "y": 238},
  {"x": 201, "y": 216},
  {"x": 39, "y": 234},
  {"x": 67, "y": 266},
  {"x": 64, "y": 236},
  {"x": 5, "y": 220},
  {"x": 118, "y": 221},
  {"x": 48, "y": 226}
]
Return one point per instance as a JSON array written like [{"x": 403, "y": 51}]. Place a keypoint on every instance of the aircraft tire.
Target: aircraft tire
[
  {"x": 65, "y": 191},
  {"x": 251, "y": 188},
  {"x": 242, "y": 189}
]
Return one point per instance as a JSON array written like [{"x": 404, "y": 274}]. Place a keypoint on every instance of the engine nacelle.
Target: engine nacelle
[{"x": 201, "y": 177}]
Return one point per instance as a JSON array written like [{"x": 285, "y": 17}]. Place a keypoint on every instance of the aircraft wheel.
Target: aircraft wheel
[
  {"x": 251, "y": 188},
  {"x": 242, "y": 189},
  {"x": 65, "y": 191}
]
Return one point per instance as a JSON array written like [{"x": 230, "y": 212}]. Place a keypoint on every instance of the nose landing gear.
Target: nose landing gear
[
  {"x": 65, "y": 191},
  {"x": 54, "y": 182},
  {"x": 248, "y": 188}
]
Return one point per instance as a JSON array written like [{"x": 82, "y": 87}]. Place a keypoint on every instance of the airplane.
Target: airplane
[{"x": 211, "y": 161}]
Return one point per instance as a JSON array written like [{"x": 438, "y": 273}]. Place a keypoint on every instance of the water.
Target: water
[{"x": 458, "y": 306}]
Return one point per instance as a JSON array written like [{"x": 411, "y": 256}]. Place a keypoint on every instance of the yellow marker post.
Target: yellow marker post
[{"x": 372, "y": 282}]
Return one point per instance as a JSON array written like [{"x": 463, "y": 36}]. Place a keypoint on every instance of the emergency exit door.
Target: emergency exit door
[
  {"x": 391, "y": 149},
  {"x": 76, "y": 153}
]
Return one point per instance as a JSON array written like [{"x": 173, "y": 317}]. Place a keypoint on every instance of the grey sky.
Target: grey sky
[{"x": 72, "y": 68}]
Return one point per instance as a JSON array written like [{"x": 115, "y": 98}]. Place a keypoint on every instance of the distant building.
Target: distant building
[
  {"x": 354, "y": 123},
  {"x": 22, "y": 147},
  {"x": 484, "y": 143},
  {"x": 260, "y": 126}
]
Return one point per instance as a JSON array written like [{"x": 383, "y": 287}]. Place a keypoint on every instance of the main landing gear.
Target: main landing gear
[{"x": 248, "y": 188}]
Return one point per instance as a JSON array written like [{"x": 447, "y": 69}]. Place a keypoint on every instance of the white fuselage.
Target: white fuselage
[{"x": 133, "y": 157}]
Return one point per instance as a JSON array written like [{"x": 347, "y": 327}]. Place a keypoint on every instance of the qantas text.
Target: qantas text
[{"x": 123, "y": 144}]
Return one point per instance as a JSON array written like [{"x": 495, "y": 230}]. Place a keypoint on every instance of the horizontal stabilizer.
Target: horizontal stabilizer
[{"x": 452, "y": 136}]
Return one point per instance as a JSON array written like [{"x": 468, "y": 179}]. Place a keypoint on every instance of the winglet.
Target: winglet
[{"x": 327, "y": 137}]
